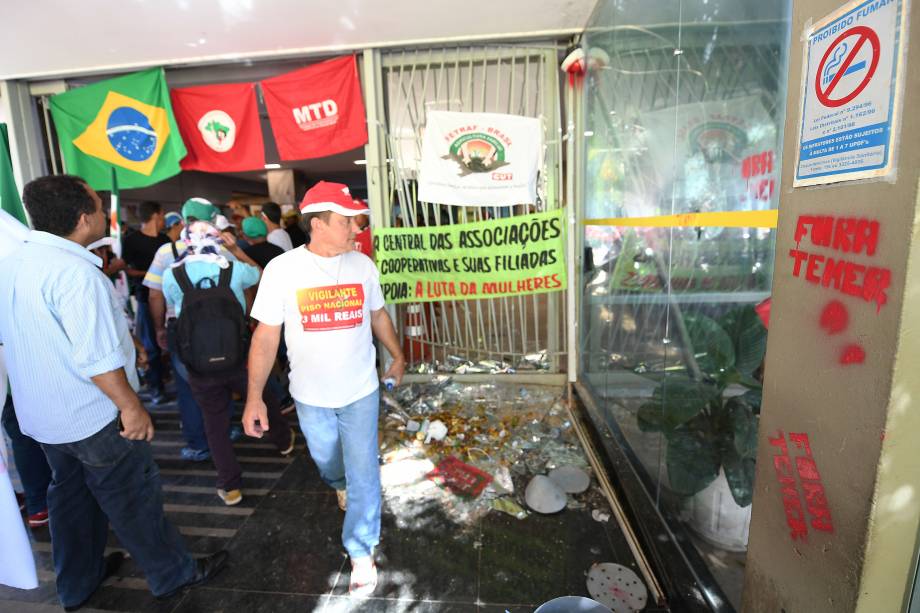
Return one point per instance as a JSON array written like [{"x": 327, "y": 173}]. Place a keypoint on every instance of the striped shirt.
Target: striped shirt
[{"x": 60, "y": 324}]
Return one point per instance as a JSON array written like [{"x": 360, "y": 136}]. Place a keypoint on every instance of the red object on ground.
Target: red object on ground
[
  {"x": 460, "y": 478},
  {"x": 220, "y": 127},
  {"x": 317, "y": 111}
]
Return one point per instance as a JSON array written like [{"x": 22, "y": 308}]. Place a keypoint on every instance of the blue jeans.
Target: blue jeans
[
  {"x": 189, "y": 413},
  {"x": 30, "y": 462},
  {"x": 102, "y": 479},
  {"x": 343, "y": 443},
  {"x": 143, "y": 326}
]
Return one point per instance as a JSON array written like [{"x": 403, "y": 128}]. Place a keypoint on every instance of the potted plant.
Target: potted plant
[{"x": 709, "y": 419}]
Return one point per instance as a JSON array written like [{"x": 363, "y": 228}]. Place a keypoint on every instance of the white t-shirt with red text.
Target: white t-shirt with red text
[{"x": 325, "y": 305}]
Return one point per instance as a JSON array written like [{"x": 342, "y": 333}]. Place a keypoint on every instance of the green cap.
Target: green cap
[
  {"x": 253, "y": 227},
  {"x": 199, "y": 208}
]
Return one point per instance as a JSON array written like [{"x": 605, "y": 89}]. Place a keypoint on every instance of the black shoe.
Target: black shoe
[
  {"x": 112, "y": 564},
  {"x": 206, "y": 568}
]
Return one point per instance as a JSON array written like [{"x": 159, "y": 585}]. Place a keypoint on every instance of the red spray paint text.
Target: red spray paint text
[
  {"x": 809, "y": 484},
  {"x": 848, "y": 235}
]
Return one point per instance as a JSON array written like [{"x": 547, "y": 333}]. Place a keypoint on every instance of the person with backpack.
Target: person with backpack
[
  {"x": 212, "y": 340},
  {"x": 196, "y": 449}
]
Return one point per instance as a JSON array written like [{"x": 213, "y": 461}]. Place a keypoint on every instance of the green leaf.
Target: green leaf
[
  {"x": 740, "y": 475},
  {"x": 744, "y": 427},
  {"x": 651, "y": 417},
  {"x": 692, "y": 460},
  {"x": 710, "y": 343},
  {"x": 677, "y": 400},
  {"x": 748, "y": 337}
]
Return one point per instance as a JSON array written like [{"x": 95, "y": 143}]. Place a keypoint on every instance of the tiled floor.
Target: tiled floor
[{"x": 286, "y": 553}]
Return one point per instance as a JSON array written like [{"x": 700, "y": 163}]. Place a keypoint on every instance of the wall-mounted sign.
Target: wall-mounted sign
[{"x": 851, "y": 70}]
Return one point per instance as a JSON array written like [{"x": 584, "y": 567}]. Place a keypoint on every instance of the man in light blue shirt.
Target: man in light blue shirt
[{"x": 67, "y": 349}]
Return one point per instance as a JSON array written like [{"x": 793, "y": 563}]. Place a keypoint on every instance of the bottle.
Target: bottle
[{"x": 389, "y": 383}]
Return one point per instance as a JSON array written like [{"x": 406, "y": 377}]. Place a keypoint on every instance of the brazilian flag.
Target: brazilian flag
[
  {"x": 9, "y": 195},
  {"x": 125, "y": 124}
]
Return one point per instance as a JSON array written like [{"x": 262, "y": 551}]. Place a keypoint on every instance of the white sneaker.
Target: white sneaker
[{"x": 363, "y": 579}]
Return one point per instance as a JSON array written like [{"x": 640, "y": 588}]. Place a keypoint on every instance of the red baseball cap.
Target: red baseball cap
[{"x": 335, "y": 197}]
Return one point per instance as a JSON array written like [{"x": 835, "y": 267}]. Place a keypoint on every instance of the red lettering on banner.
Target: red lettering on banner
[{"x": 809, "y": 478}]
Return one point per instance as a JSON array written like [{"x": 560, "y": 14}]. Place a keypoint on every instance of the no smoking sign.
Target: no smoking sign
[
  {"x": 847, "y": 66},
  {"x": 851, "y": 65}
]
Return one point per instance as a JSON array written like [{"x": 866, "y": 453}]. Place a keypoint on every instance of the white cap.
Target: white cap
[{"x": 222, "y": 223}]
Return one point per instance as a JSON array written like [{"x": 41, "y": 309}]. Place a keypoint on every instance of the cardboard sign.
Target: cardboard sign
[{"x": 460, "y": 478}]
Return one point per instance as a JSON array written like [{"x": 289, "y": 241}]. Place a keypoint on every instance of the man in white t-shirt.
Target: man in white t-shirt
[
  {"x": 329, "y": 299},
  {"x": 271, "y": 215}
]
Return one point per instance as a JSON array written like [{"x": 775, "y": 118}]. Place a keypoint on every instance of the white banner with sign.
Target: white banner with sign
[{"x": 480, "y": 159}]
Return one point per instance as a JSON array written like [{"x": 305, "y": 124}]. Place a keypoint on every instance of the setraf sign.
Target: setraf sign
[{"x": 849, "y": 93}]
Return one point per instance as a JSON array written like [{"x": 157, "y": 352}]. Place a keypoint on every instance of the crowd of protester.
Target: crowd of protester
[{"x": 275, "y": 311}]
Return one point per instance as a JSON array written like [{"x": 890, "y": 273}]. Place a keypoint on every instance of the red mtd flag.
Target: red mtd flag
[
  {"x": 316, "y": 111},
  {"x": 220, "y": 127}
]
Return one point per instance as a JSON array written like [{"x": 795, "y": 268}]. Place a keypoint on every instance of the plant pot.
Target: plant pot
[{"x": 717, "y": 518}]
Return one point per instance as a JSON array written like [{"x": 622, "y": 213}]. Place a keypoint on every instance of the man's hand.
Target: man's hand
[
  {"x": 136, "y": 424},
  {"x": 396, "y": 370},
  {"x": 255, "y": 418},
  {"x": 229, "y": 241}
]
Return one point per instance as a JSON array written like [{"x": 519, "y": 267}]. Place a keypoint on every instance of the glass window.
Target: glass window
[{"x": 684, "y": 115}]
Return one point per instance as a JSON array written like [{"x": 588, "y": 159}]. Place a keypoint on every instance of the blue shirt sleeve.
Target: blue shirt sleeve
[
  {"x": 245, "y": 275},
  {"x": 94, "y": 340},
  {"x": 171, "y": 290}
]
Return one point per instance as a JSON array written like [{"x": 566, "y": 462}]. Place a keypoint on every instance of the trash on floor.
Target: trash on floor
[
  {"x": 617, "y": 587},
  {"x": 482, "y": 444},
  {"x": 544, "y": 496}
]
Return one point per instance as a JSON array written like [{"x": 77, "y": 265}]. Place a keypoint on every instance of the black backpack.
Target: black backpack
[{"x": 211, "y": 334}]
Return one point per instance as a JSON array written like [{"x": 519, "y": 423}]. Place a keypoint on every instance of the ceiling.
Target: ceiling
[{"x": 58, "y": 38}]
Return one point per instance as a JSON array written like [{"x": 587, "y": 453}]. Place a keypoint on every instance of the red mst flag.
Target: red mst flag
[
  {"x": 220, "y": 127},
  {"x": 316, "y": 111}
]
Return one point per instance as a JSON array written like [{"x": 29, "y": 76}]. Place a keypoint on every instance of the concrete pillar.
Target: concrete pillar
[
  {"x": 837, "y": 496},
  {"x": 18, "y": 112}
]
